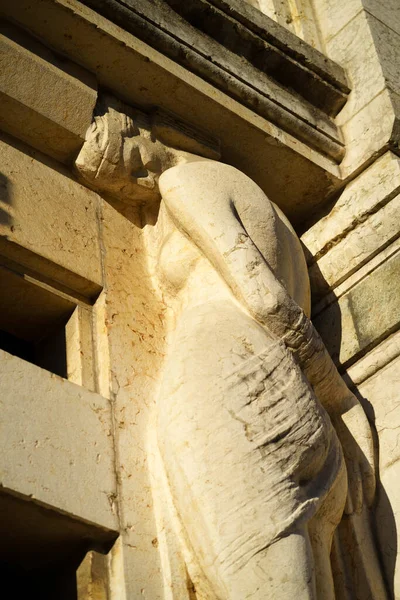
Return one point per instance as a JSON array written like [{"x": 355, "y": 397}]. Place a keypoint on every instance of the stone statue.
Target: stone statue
[{"x": 263, "y": 445}]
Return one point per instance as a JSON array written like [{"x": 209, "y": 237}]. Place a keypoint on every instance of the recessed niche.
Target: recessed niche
[
  {"x": 33, "y": 317},
  {"x": 41, "y": 550}
]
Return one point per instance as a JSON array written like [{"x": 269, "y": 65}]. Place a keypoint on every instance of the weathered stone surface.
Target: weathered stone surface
[
  {"x": 387, "y": 12},
  {"x": 347, "y": 46},
  {"x": 374, "y": 128},
  {"x": 263, "y": 151},
  {"x": 381, "y": 394},
  {"x": 378, "y": 45},
  {"x": 333, "y": 16},
  {"x": 239, "y": 29},
  {"x": 363, "y": 221},
  {"x": 42, "y": 207},
  {"x": 212, "y": 356},
  {"x": 231, "y": 68},
  {"x": 130, "y": 342},
  {"x": 365, "y": 195},
  {"x": 387, "y": 41},
  {"x": 361, "y": 273},
  {"x": 355, "y": 249},
  {"x": 57, "y": 445},
  {"x": 375, "y": 360},
  {"x": 181, "y": 331},
  {"x": 358, "y": 320},
  {"x": 367, "y": 48},
  {"x": 54, "y": 115},
  {"x": 242, "y": 268}
]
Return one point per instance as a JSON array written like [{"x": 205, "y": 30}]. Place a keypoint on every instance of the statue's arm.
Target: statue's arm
[{"x": 204, "y": 201}]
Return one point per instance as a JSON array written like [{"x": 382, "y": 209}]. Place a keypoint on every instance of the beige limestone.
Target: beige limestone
[
  {"x": 367, "y": 47},
  {"x": 79, "y": 344},
  {"x": 376, "y": 359},
  {"x": 44, "y": 208},
  {"x": 185, "y": 378},
  {"x": 96, "y": 243},
  {"x": 357, "y": 321},
  {"x": 363, "y": 272},
  {"x": 380, "y": 393},
  {"x": 351, "y": 43},
  {"x": 224, "y": 305},
  {"x": 354, "y": 250},
  {"x": 54, "y": 115},
  {"x": 387, "y": 41},
  {"x": 373, "y": 129},
  {"x": 69, "y": 434},
  {"x": 333, "y": 17},
  {"x": 129, "y": 346},
  {"x": 265, "y": 153},
  {"x": 365, "y": 195}
]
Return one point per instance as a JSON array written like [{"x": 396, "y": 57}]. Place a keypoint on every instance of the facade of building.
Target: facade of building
[{"x": 300, "y": 96}]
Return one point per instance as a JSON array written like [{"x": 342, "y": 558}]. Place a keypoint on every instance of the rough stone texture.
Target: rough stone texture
[
  {"x": 381, "y": 393},
  {"x": 364, "y": 271},
  {"x": 54, "y": 116},
  {"x": 210, "y": 336},
  {"x": 130, "y": 345},
  {"x": 59, "y": 441},
  {"x": 366, "y": 47},
  {"x": 388, "y": 12},
  {"x": 365, "y": 195},
  {"x": 42, "y": 206},
  {"x": 238, "y": 249},
  {"x": 362, "y": 222},
  {"x": 118, "y": 346},
  {"x": 265, "y": 152},
  {"x": 348, "y": 45},
  {"x": 379, "y": 46},
  {"x": 355, "y": 249},
  {"x": 237, "y": 30},
  {"x": 373, "y": 129},
  {"x": 333, "y": 16},
  {"x": 387, "y": 41},
  {"x": 357, "y": 321}
]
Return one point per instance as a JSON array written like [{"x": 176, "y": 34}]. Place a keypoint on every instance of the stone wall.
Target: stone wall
[{"x": 75, "y": 265}]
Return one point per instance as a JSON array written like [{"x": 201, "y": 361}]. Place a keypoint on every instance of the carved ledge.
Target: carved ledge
[
  {"x": 246, "y": 55},
  {"x": 293, "y": 173},
  {"x": 112, "y": 162}
]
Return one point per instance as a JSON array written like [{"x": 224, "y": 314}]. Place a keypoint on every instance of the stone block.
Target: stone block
[
  {"x": 381, "y": 391},
  {"x": 48, "y": 222},
  {"x": 387, "y": 44},
  {"x": 266, "y": 153},
  {"x": 375, "y": 360},
  {"x": 372, "y": 129},
  {"x": 355, "y": 249},
  {"x": 363, "y": 196},
  {"x": 357, "y": 321},
  {"x": 354, "y": 49},
  {"x": 387, "y": 12},
  {"x": 333, "y": 16},
  {"x": 380, "y": 395},
  {"x": 130, "y": 332},
  {"x": 54, "y": 115},
  {"x": 57, "y": 447}
]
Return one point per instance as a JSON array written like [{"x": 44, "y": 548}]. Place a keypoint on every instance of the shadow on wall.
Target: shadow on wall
[
  {"x": 6, "y": 217},
  {"x": 356, "y": 539}
]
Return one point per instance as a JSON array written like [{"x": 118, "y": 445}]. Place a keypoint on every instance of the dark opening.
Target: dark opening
[
  {"x": 41, "y": 550},
  {"x": 50, "y": 353},
  {"x": 32, "y": 321}
]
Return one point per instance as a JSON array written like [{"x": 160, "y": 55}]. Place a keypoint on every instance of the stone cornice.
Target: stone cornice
[
  {"x": 292, "y": 171},
  {"x": 247, "y": 56}
]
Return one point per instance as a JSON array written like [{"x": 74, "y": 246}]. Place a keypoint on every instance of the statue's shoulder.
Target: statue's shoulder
[{"x": 205, "y": 173}]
